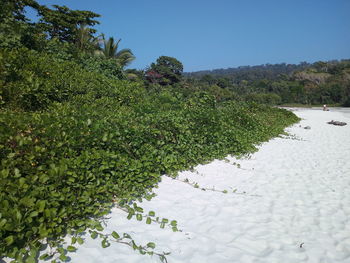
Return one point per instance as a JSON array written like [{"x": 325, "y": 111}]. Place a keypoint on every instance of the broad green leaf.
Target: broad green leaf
[
  {"x": 44, "y": 256},
  {"x": 105, "y": 243},
  {"x": 71, "y": 248},
  {"x": 80, "y": 241},
  {"x": 151, "y": 245},
  {"x": 41, "y": 205},
  {"x": 93, "y": 234},
  {"x": 115, "y": 235},
  {"x": 9, "y": 240}
]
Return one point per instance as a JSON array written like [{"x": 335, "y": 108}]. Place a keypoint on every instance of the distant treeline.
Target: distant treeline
[{"x": 305, "y": 83}]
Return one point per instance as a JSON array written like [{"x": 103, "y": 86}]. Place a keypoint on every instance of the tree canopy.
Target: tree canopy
[
  {"x": 166, "y": 71},
  {"x": 62, "y": 22}
]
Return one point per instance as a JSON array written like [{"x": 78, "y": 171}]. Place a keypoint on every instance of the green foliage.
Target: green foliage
[
  {"x": 58, "y": 50},
  {"x": 105, "y": 66},
  {"x": 310, "y": 84},
  {"x": 84, "y": 39},
  {"x": 166, "y": 71},
  {"x": 13, "y": 26},
  {"x": 110, "y": 50},
  {"x": 62, "y": 22},
  {"x": 32, "y": 81},
  {"x": 264, "y": 98}
]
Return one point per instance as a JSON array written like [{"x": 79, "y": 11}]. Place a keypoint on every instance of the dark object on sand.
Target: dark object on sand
[
  {"x": 307, "y": 128},
  {"x": 338, "y": 123}
]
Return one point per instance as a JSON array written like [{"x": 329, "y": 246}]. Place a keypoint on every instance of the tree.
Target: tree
[
  {"x": 110, "y": 50},
  {"x": 208, "y": 79},
  {"x": 166, "y": 71},
  {"x": 84, "y": 40},
  {"x": 15, "y": 9},
  {"x": 63, "y": 23},
  {"x": 13, "y": 23}
]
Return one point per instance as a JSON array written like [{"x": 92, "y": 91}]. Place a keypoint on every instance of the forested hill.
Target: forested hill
[
  {"x": 267, "y": 71},
  {"x": 317, "y": 83}
]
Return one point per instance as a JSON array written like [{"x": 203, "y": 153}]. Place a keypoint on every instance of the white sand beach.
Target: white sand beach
[{"x": 291, "y": 203}]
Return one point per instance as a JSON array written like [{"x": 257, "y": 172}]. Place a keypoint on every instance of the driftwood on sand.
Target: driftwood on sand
[{"x": 338, "y": 123}]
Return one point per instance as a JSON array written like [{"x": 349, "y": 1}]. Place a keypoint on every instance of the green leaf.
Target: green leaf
[
  {"x": 80, "y": 241},
  {"x": 2, "y": 222},
  {"x": 129, "y": 216},
  {"x": 41, "y": 205},
  {"x": 11, "y": 155},
  {"x": 173, "y": 223},
  {"x": 71, "y": 248},
  {"x": 134, "y": 246},
  {"x": 17, "y": 173},
  {"x": 105, "y": 243},
  {"x": 93, "y": 234},
  {"x": 99, "y": 227},
  {"x": 34, "y": 252},
  {"x": 139, "y": 217},
  {"x": 151, "y": 245},
  {"x": 148, "y": 220},
  {"x": 30, "y": 260},
  {"x": 115, "y": 235},
  {"x": 151, "y": 213},
  {"x": 126, "y": 235},
  {"x": 63, "y": 257},
  {"x": 139, "y": 209},
  {"x": 9, "y": 240},
  {"x": 44, "y": 256}
]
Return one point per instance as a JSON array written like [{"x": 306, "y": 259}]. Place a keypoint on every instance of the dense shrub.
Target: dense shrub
[
  {"x": 264, "y": 98},
  {"x": 108, "y": 67},
  {"x": 73, "y": 141},
  {"x": 32, "y": 80}
]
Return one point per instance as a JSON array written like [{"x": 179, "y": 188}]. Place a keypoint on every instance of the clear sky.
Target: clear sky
[{"x": 209, "y": 34}]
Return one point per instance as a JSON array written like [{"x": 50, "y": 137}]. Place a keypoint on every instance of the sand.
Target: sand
[{"x": 288, "y": 202}]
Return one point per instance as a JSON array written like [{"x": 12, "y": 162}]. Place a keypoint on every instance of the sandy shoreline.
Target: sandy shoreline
[{"x": 291, "y": 204}]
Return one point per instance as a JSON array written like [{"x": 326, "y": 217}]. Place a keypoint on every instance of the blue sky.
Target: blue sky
[{"x": 208, "y": 34}]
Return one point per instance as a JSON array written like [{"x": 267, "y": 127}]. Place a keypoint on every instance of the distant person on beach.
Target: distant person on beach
[{"x": 325, "y": 108}]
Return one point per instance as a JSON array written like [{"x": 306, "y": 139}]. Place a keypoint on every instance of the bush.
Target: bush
[
  {"x": 264, "y": 98},
  {"x": 72, "y": 142},
  {"x": 32, "y": 80},
  {"x": 106, "y": 66}
]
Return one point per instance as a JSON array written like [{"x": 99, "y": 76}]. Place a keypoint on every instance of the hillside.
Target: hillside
[{"x": 317, "y": 83}]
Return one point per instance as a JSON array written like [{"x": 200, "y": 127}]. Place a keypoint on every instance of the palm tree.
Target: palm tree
[
  {"x": 84, "y": 39},
  {"x": 110, "y": 50}
]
